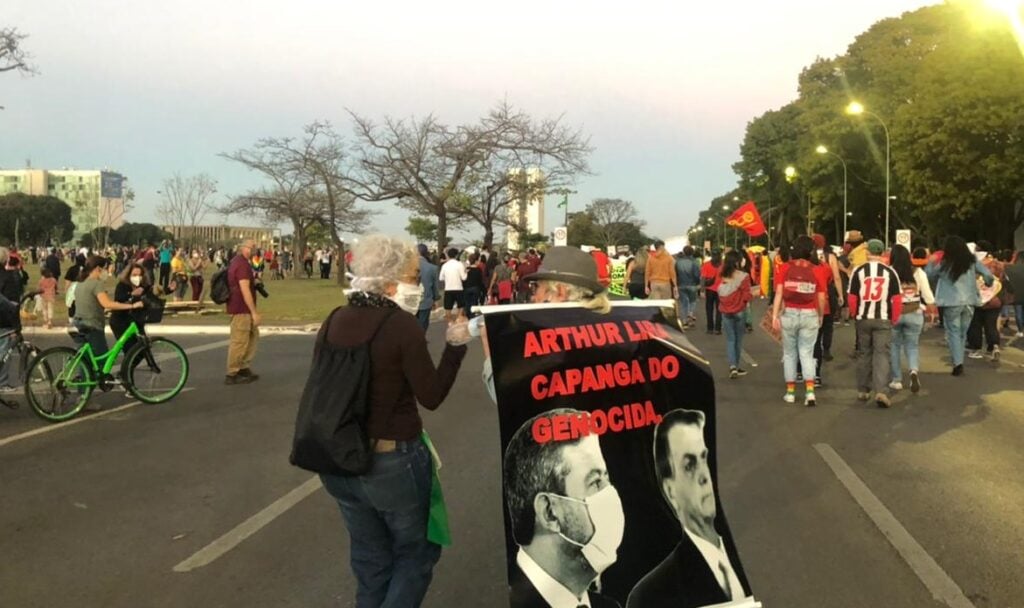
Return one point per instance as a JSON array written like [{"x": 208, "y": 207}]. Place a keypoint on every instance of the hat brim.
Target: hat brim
[{"x": 570, "y": 278}]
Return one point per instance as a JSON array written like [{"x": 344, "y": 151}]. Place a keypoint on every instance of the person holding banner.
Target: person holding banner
[{"x": 699, "y": 571}]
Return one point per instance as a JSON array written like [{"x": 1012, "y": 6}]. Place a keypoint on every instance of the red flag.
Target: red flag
[{"x": 748, "y": 219}]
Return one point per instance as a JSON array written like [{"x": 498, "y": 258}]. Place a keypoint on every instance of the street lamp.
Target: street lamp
[
  {"x": 725, "y": 208},
  {"x": 824, "y": 150},
  {"x": 857, "y": 109}
]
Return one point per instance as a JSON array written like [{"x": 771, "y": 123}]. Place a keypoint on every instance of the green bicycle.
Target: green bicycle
[{"x": 61, "y": 380}]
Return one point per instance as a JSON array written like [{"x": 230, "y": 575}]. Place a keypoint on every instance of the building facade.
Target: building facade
[
  {"x": 220, "y": 235},
  {"x": 526, "y": 214},
  {"x": 96, "y": 198}
]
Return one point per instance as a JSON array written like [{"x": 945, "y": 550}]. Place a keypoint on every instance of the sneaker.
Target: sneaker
[
  {"x": 789, "y": 398},
  {"x": 975, "y": 354},
  {"x": 718, "y": 332},
  {"x": 896, "y": 385},
  {"x": 733, "y": 373},
  {"x": 818, "y": 383},
  {"x": 741, "y": 372},
  {"x": 1020, "y": 334},
  {"x": 882, "y": 400},
  {"x": 810, "y": 401},
  {"x": 863, "y": 396},
  {"x": 247, "y": 373},
  {"x": 237, "y": 379},
  {"x": 800, "y": 377},
  {"x": 6, "y": 389},
  {"x": 915, "y": 383},
  {"x": 958, "y": 370},
  {"x": 995, "y": 354}
]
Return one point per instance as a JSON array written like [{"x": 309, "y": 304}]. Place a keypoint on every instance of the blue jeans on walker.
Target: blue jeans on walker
[
  {"x": 906, "y": 336},
  {"x": 957, "y": 320},
  {"x": 799, "y": 334},
  {"x": 734, "y": 328},
  {"x": 386, "y": 513},
  {"x": 687, "y": 302}
]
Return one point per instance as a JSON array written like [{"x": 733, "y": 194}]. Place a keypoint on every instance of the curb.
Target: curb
[{"x": 197, "y": 330}]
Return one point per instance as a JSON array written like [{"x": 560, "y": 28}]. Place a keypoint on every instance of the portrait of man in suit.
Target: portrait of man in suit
[
  {"x": 566, "y": 517},
  {"x": 699, "y": 571}
]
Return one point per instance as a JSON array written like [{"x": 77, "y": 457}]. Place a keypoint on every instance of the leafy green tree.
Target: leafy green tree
[
  {"x": 422, "y": 229},
  {"x": 34, "y": 219},
  {"x": 131, "y": 233},
  {"x": 582, "y": 230}
]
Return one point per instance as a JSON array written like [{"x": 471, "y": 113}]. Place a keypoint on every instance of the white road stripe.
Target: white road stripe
[
  {"x": 63, "y": 425},
  {"x": 247, "y": 528},
  {"x": 943, "y": 588},
  {"x": 746, "y": 357}
]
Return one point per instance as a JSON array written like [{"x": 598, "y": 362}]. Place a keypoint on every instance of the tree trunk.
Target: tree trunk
[
  {"x": 442, "y": 231},
  {"x": 488, "y": 237},
  {"x": 298, "y": 245}
]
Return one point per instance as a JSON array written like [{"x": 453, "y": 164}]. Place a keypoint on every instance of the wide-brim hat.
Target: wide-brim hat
[{"x": 569, "y": 265}]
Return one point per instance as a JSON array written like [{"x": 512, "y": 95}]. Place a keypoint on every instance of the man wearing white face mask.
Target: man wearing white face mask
[
  {"x": 566, "y": 518},
  {"x": 699, "y": 570}
]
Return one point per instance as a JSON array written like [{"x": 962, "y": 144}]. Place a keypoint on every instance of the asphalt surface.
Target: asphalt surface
[{"x": 100, "y": 512}]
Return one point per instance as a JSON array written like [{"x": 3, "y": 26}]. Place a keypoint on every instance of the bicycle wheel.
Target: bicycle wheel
[
  {"x": 57, "y": 387},
  {"x": 29, "y": 353},
  {"x": 155, "y": 370}
]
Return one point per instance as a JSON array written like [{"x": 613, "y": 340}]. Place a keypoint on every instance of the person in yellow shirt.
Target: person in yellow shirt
[
  {"x": 660, "y": 274},
  {"x": 179, "y": 275}
]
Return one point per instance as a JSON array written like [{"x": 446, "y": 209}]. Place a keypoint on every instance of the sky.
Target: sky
[{"x": 664, "y": 89}]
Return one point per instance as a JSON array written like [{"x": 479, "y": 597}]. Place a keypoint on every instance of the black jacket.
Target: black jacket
[
  {"x": 683, "y": 580},
  {"x": 522, "y": 594}
]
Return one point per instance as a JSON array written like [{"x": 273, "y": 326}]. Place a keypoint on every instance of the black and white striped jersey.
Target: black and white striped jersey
[{"x": 877, "y": 289}]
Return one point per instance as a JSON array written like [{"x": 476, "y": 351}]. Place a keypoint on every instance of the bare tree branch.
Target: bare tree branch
[
  {"x": 12, "y": 55},
  {"x": 186, "y": 201}
]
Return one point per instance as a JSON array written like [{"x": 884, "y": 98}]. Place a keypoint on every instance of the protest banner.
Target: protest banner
[
  {"x": 618, "y": 279},
  {"x": 609, "y": 462}
]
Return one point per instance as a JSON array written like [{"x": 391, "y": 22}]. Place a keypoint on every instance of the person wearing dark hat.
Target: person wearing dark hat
[
  {"x": 430, "y": 281},
  {"x": 567, "y": 274},
  {"x": 876, "y": 301}
]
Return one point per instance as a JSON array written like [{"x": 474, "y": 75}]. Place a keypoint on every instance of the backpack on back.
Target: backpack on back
[
  {"x": 330, "y": 428},
  {"x": 220, "y": 290},
  {"x": 801, "y": 285}
]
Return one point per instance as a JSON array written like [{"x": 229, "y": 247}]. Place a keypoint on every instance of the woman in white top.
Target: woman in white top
[{"x": 906, "y": 334}]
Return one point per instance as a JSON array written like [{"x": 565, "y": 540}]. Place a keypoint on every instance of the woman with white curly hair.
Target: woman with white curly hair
[{"x": 386, "y": 509}]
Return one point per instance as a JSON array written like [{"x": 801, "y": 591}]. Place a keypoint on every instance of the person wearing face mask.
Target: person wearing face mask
[
  {"x": 699, "y": 571},
  {"x": 132, "y": 286},
  {"x": 91, "y": 300},
  {"x": 566, "y": 517},
  {"x": 386, "y": 509}
]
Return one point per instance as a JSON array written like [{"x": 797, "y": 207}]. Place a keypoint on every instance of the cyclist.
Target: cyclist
[
  {"x": 91, "y": 300},
  {"x": 12, "y": 286},
  {"x": 133, "y": 286}
]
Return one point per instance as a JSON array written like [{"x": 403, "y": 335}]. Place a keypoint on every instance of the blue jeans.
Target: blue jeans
[
  {"x": 906, "y": 336},
  {"x": 423, "y": 317},
  {"x": 799, "y": 334},
  {"x": 957, "y": 320},
  {"x": 687, "y": 302},
  {"x": 386, "y": 513},
  {"x": 734, "y": 327},
  {"x": 95, "y": 337},
  {"x": 5, "y": 370}
]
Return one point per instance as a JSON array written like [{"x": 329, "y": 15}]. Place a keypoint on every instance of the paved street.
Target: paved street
[{"x": 99, "y": 513}]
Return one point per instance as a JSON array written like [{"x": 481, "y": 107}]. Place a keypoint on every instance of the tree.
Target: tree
[
  {"x": 13, "y": 57},
  {"x": 186, "y": 201},
  {"x": 33, "y": 219},
  {"x": 582, "y": 230},
  {"x": 457, "y": 174},
  {"x": 612, "y": 218},
  {"x": 422, "y": 229},
  {"x": 138, "y": 234}
]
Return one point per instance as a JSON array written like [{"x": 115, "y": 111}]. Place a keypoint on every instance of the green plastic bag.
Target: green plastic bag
[{"x": 438, "y": 531}]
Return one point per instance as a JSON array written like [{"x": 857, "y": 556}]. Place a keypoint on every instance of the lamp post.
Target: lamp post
[
  {"x": 725, "y": 208},
  {"x": 824, "y": 150},
  {"x": 856, "y": 109}
]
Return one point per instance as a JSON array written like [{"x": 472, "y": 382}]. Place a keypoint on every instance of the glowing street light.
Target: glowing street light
[
  {"x": 824, "y": 150},
  {"x": 790, "y": 173},
  {"x": 857, "y": 109}
]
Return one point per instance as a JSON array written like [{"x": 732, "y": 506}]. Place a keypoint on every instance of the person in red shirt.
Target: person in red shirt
[
  {"x": 733, "y": 288},
  {"x": 709, "y": 281},
  {"x": 798, "y": 309},
  {"x": 245, "y": 321},
  {"x": 604, "y": 267}
]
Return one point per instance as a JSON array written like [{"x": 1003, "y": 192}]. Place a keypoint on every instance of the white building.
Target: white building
[
  {"x": 527, "y": 212},
  {"x": 96, "y": 198}
]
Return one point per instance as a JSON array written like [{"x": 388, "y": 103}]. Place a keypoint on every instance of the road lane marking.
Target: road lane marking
[
  {"x": 943, "y": 588},
  {"x": 746, "y": 357},
  {"x": 80, "y": 419},
  {"x": 247, "y": 528}
]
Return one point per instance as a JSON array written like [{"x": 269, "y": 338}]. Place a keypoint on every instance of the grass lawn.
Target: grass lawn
[{"x": 291, "y": 302}]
